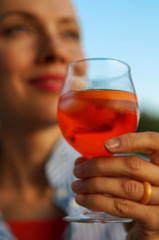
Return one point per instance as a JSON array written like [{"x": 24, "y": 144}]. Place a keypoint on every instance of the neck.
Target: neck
[{"x": 24, "y": 155}]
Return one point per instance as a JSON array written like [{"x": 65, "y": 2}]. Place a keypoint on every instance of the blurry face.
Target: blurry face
[{"x": 38, "y": 39}]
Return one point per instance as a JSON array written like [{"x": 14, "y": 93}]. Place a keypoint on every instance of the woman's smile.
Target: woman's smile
[{"x": 49, "y": 82}]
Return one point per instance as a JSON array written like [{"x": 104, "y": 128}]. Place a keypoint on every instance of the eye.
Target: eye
[
  {"x": 72, "y": 34},
  {"x": 16, "y": 29}
]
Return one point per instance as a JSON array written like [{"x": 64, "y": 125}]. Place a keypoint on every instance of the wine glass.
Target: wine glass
[{"x": 98, "y": 101}]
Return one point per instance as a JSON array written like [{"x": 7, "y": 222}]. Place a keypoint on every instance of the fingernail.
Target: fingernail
[
  {"x": 112, "y": 143},
  {"x": 79, "y": 170},
  {"x": 80, "y": 198},
  {"x": 76, "y": 186},
  {"x": 80, "y": 160}
]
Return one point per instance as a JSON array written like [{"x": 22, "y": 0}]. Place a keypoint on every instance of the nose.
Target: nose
[{"x": 51, "y": 49}]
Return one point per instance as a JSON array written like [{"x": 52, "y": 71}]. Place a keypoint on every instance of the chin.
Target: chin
[
  {"x": 39, "y": 121},
  {"x": 48, "y": 119}
]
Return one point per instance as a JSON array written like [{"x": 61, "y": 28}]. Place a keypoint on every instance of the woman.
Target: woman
[{"x": 38, "y": 39}]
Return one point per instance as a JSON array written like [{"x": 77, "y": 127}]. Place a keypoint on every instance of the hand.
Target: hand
[{"x": 122, "y": 177}]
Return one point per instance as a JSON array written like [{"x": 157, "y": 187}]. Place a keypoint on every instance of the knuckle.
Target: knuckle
[
  {"x": 152, "y": 219},
  {"x": 132, "y": 189},
  {"x": 156, "y": 216},
  {"x": 96, "y": 203},
  {"x": 153, "y": 136},
  {"x": 93, "y": 201},
  {"x": 134, "y": 163},
  {"x": 123, "y": 207},
  {"x": 99, "y": 165},
  {"x": 95, "y": 184},
  {"x": 131, "y": 141}
]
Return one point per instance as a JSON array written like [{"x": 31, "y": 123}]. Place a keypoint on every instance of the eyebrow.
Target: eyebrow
[
  {"x": 12, "y": 13},
  {"x": 64, "y": 20}
]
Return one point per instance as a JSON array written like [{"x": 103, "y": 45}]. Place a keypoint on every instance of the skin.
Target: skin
[
  {"x": 23, "y": 55},
  {"x": 36, "y": 37},
  {"x": 122, "y": 177}
]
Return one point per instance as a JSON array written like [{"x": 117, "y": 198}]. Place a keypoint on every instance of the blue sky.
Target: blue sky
[{"x": 127, "y": 30}]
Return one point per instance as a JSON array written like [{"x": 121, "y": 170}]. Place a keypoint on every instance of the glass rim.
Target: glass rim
[{"x": 100, "y": 58}]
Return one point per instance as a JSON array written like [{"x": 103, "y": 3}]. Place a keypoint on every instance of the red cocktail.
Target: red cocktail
[{"x": 87, "y": 118}]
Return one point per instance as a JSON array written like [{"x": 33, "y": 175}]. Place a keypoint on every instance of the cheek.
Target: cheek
[
  {"x": 15, "y": 62},
  {"x": 14, "y": 59},
  {"x": 76, "y": 52}
]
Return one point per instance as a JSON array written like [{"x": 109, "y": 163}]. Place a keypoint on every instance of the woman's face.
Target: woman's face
[{"x": 38, "y": 39}]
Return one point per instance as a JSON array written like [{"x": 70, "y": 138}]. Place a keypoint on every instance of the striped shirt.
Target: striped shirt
[{"x": 59, "y": 170}]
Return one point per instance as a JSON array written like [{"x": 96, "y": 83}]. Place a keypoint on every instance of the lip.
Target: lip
[{"x": 49, "y": 82}]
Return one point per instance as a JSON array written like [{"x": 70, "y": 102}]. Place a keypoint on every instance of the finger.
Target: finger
[
  {"x": 146, "y": 142},
  {"x": 80, "y": 160},
  {"x": 122, "y": 208},
  {"x": 119, "y": 166},
  {"x": 122, "y": 188}
]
